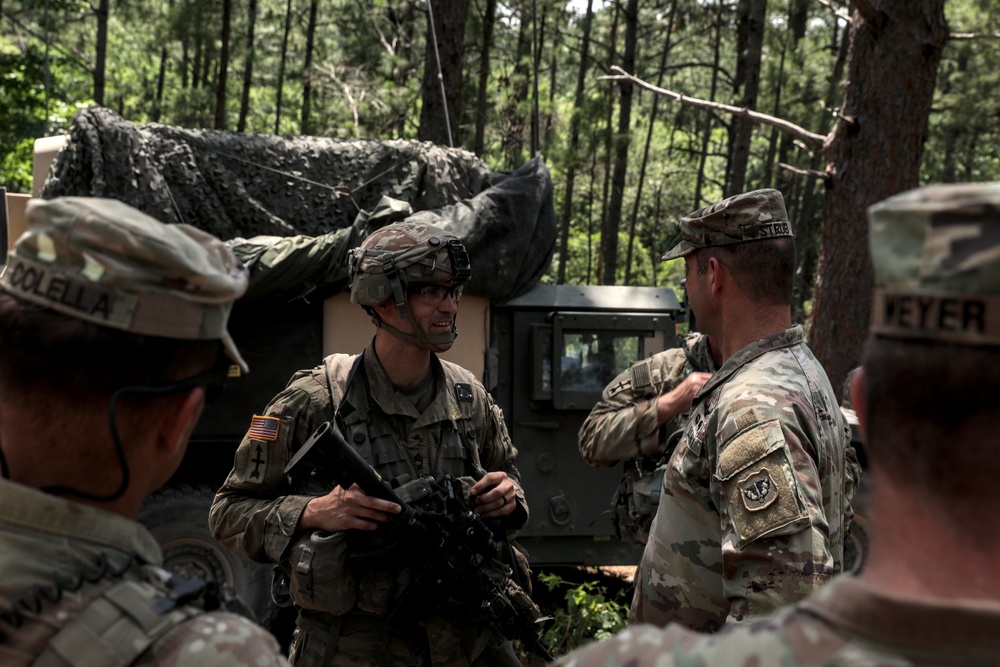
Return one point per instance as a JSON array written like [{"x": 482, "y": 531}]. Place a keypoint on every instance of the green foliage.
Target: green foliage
[
  {"x": 16, "y": 167},
  {"x": 369, "y": 58},
  {"x": 589, "y": 614}
]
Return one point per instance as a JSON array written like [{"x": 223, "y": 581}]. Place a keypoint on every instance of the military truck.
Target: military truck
[{"x": 545, "y": 355}]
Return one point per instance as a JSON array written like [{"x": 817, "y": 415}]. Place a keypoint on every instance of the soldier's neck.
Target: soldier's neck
[
  {"x": 746, "y": 323},
  {"x": 919, "y": 550},
  {"x": 405, "y": 364}
]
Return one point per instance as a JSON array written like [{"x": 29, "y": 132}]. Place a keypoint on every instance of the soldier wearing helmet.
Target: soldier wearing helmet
[{"x": 410, "y": 415}]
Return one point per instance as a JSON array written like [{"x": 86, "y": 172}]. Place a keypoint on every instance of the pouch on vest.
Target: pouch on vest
[
  {"x": 634, "y": 502},
  {"x": 319, "y": 577},
  {"x": 632, "y": 506}
]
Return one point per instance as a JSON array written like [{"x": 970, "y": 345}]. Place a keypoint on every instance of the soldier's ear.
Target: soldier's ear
[
  {"x": 858, "y": 399},
  {"x": 179, "y": 420}
]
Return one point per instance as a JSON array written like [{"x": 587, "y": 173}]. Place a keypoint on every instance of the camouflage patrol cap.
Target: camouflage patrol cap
[
  {"x": 936, "y": 255},
  {"x": 402, "y": 254},
  {"x": 751, "y": 216},
  {"x": 105, "y": 262}
]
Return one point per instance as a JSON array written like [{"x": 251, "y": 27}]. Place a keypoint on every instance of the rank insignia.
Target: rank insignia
[{"x": 463, "y": 392}]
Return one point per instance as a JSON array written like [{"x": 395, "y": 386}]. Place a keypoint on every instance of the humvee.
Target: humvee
[{"x": 545, "y": 356}]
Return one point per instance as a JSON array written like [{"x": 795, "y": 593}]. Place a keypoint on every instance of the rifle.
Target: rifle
[{"x": 448, "y": 548}]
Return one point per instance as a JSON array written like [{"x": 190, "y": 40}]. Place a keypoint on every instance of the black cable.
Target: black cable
[
  {"x": 212, "y": 380},
  {"x": 38, "y": 594}
]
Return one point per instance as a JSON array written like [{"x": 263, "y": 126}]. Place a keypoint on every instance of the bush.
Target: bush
[{"x": 590, "y": 613}]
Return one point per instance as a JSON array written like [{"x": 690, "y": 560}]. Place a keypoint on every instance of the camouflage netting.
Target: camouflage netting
[{"x": 291, "y": 207}]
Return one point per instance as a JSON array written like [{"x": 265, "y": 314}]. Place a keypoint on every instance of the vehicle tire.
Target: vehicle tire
[{"x": 177, "y": 516}]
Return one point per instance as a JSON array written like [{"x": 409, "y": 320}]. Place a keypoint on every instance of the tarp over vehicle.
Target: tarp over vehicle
[{"x": 291, "y": 207}]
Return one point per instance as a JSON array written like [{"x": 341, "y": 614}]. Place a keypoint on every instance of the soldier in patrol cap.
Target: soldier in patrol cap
[
  {"x": 752, "y": 505},
  {"x": 409, "y": 414},
  {"x": 926, "y": 400},
  {"x": 112, "y": 331}
]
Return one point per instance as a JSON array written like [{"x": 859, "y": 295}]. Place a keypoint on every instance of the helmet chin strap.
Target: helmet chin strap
[{"x": 438, "y": 343}]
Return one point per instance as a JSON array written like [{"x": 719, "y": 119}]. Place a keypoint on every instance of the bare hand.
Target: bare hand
[
  {"x": 344, "y": 510},
  {"x": 494, "y": 495},
  {"x": 677, "y": 401}
]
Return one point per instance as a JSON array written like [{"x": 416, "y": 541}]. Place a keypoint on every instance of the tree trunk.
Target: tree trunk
[
  {"x": 100, "y": 51},
  {"x": 489, "y": 19},
  {"x": 612, "y": 221},
  {"x": 161, "y": 78},
  {"x": 645, "y": 149},
  {"x": 609, "y": 135},
  {"x": 280, "y": 83},
  {"x": 573, "y": 155},
  {"x": 442, "y": 85},
  {"x": 221, "y": 80},
  {"x": 752, "y": 21},
  {"x": 706, "y": 133},
  {"x": 807, "y": 223},
  {"x": 307, "y": 68},
  {"x": 895, "y": 51},
  {"x": 241, "y": 124}
]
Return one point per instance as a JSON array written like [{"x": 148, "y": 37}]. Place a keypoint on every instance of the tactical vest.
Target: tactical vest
[
  {"x": 371, "y": 431},
  {"x": 321, "y": 577},
  {"x": 118, "y": 623}
]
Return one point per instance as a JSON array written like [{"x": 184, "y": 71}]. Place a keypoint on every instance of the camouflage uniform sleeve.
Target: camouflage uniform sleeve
[
  {"x": 496, "y": 451},
  {"x": 637, "y": 645},
  {"x": 624, "y": 423},
  {"x": 767, "y": 486},
  {"x": 216, "y": 640},
  {"x": 255, "y": 513}
]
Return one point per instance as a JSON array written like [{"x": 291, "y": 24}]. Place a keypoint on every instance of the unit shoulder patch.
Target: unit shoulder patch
[{"x": 758, "y": 483}]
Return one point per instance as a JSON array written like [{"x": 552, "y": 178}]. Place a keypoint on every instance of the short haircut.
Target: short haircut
[
  {"x": 764, "y": 270},
  {"x": 47, "y": 355},
  {"x": 931, "y": 418}
]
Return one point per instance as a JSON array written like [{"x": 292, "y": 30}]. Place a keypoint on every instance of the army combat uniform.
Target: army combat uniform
[
  {"x": 752, "y": 506},
  {"x": 343, "y": 607},
  {"x": 623, "y": 426},
  {"x": 111, "y": 605},
  {"x": 933, "y": 247},
  {"x": 844, "y": 623}
]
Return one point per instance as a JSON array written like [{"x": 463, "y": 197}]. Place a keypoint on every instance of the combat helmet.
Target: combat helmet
[{"x": 400, "y": 255}]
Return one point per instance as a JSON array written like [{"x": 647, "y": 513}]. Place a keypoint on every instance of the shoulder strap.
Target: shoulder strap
[
  {"x": 115, "y": 628},
  {"x": 336, "y": 373}
]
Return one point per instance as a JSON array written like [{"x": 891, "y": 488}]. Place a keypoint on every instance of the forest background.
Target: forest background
[{"x": 837, "y": 104}]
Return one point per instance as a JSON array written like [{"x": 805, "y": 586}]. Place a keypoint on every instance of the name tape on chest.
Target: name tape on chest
[{"x": 945, "y": 316}]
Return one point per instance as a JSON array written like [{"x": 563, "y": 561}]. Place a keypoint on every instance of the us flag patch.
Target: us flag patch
[{"x": 264, "y": 428}]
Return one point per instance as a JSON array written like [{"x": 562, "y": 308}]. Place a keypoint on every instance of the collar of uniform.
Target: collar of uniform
[
  {"x": 775, "y": 341},
  {"x": 444, "y": 406},
  {"x": 918, "y": 626},
  {"x": 28, "y": 508}
]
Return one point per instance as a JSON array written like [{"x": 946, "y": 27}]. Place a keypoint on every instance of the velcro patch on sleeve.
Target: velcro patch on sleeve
[
  {"x": 264, "y": 428},
  {"x": 640, "y": 374},
  {"x": 758, "y": 483}
]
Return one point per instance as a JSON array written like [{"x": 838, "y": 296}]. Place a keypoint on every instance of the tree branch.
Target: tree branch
[
  {"x": 959, "y": 36},
  {"x": 803, "y": 172},
  {"x": 837, "y": 11},
  {"x": 804, "y": 135}
]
